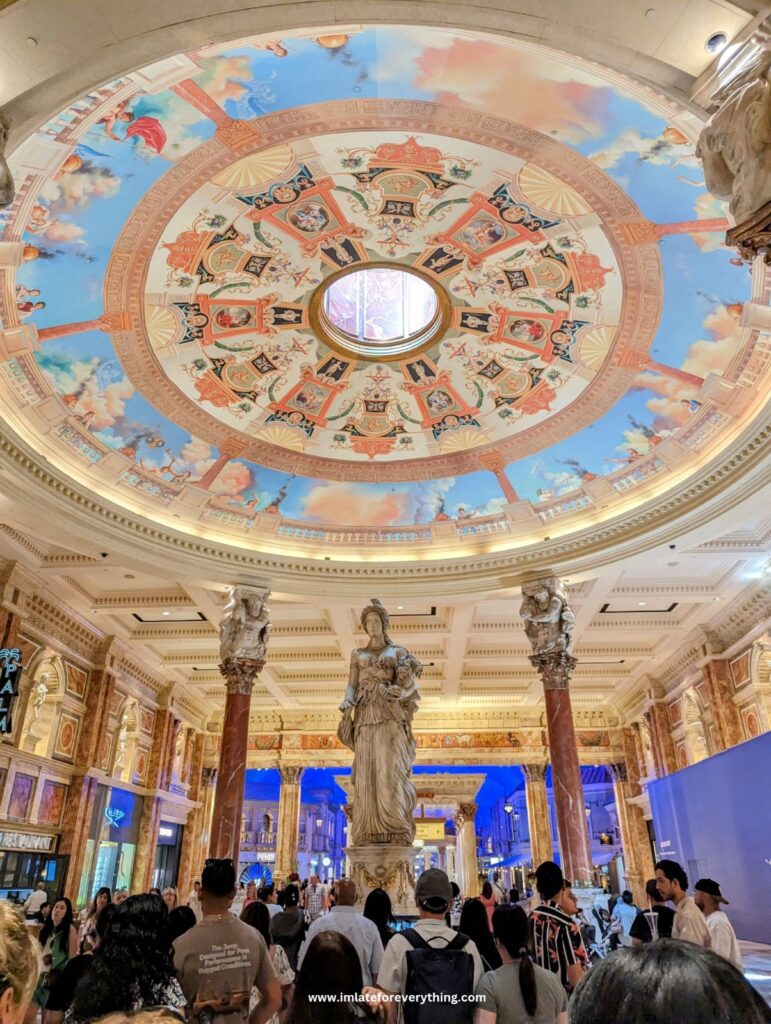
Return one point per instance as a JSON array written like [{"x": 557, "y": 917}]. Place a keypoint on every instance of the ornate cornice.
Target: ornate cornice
[{"x": 736, "y": 476}]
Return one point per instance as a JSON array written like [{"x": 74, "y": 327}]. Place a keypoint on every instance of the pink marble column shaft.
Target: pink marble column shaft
[
  {"x": 225, "y": 836},
  {"x": 567, "y": 787}
]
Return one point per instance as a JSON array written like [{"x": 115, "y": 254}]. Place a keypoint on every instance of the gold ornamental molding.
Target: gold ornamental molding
[{"x": 739, "y": 474}]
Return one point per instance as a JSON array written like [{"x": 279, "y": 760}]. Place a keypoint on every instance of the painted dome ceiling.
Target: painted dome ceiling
[{"x": 187, "y": 330}]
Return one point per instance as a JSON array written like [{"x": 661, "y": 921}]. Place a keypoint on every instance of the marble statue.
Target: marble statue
[
  {"x": 7, "y": 191},
  {"x": 120, "y": 751},
  {"x": 378, "y": 708},
  {"x": 41, "y": 692},
  {"x": 549, "y": 621},
  {"x": 735, "y": 144},
  {"x": 245, "y": 626}
]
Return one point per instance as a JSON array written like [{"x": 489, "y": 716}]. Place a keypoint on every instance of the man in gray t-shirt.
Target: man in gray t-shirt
[{"x": 221, "y": 958}]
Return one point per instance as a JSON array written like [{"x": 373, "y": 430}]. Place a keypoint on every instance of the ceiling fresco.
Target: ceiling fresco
[{"x": 163, "y": 267}]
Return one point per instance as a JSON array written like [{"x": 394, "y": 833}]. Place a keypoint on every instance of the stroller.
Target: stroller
[{"x": 599, "y": 947}]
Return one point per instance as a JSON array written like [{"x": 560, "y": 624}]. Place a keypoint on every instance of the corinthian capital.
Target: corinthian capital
[
  {"x": 534, "y": 772},
  {"x": 240, "y": 674},
  {"x": 549, "y": 621},
  {"x": 290, "y": 774}
]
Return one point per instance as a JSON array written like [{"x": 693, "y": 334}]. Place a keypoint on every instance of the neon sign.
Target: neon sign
[{"x": 10, "y": 658}]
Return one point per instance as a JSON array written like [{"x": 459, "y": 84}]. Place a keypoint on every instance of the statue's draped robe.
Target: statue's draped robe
[{"x": 382, "y": 796}]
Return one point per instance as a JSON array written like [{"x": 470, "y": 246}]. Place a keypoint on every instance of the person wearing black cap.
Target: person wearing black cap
[
  {"x": 708, "y": 897},
  {"x": 555, "y": 935},
  {"x": 433, "y": 895}
]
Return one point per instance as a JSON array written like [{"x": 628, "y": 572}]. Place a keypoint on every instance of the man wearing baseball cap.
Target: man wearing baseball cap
[
  {"x": 433, "y": 895},
  {"x": 708, "y": 897}
]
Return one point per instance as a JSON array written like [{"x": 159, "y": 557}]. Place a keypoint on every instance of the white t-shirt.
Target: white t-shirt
[
  {"x": 35, "y": 901},
  {"x": 724, "y": 938}
]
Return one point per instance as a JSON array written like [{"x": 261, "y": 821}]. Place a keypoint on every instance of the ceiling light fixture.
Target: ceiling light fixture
[
  {"x": 716, "y": 43},
  {"x": 650, "y": 14},
  {"x": 167, "y": 613},
  {"x": 641, "y": 604}
]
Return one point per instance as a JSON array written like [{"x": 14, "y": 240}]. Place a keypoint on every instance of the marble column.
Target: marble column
[
  {"x": 288, "y": 826},
  {"x": 638, "y": 858},
  {"x": 208, "y": 787},
  {"x": 549, "y": 625},
  {"x": 225, "y": 838},
  {"x": 244, "y": 633},
  {"x": 538, "y": 823},
  {"x": 144, "y": 861},
  {"x": 466, "y": 864},
  {"x": 719, "y": 693},
  {"x": 190, "y": 859},
  {"x": 662, "y": 744}
]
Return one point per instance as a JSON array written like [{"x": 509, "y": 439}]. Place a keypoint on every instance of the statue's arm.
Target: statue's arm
[{"x": 349, "y": 700}]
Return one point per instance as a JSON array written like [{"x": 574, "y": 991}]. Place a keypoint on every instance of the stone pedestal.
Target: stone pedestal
[
  {"x": 229, "y": 795},
  {"x": 385, "y": 867},
  {"x": 288, "y": 825},
  {"x": 538, "y": 823}
]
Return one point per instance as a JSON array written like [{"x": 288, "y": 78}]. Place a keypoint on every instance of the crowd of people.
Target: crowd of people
[{"x": 307, "y": 955}]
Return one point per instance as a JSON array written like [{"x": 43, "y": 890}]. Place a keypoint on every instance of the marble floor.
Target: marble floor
[{"x": 757, "y": 966}]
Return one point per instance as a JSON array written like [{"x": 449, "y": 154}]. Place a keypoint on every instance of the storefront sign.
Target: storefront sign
[
  {"x": 24, "y": 841},
  {"x": 429, "y": 829},
  {"x": 265, "y": 858},
  {"x": 10, "y": 671}
]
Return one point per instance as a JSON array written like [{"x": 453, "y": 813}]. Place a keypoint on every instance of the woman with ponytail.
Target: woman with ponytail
[{"x": 519, "y": 992}]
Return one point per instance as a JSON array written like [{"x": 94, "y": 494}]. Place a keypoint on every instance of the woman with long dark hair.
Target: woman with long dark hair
[
  {"x": 287, "y": 928},
  {"x": 257, "y": 916},
  {"x": 132, "y": 968},
  {"x": 102, "y": 899},
  {"x": 665, "y": 981},
  {"x": 473, "y": 922},
  {"x": 519, "y": 990},
  {"x": 59, "y": 940},
  {"x": 377, "y": 907},
  {"x": 330, "y": 968},
  {"x": 62, "y": 992}
]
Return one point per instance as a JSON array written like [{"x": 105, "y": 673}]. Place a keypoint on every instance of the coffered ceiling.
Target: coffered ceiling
[{"x": 634, "y": 624}]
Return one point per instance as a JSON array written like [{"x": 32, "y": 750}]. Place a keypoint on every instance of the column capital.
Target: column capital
[
  {"x": 534, "y": 772},
  {"x": 618, "y": 772},
  {"x": 290, "y": 774},
  {"x": 466, "y": 812},
  {"x": 240, "y": 673},
  {"x": 555, "y": 669}
]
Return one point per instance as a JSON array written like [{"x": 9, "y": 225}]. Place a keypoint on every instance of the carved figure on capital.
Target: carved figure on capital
[
  {"x": 549, "y": 621},
  {"x": 466, "y": 812},
  {"x": 735, "y": 145},
  {"x": 245, "y": 626},
  {"x": 378, "y": 708},
  {"x": 7, "y": 190}
]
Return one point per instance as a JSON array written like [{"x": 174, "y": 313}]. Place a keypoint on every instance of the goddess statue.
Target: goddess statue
[{"x": 378, "y": 708}]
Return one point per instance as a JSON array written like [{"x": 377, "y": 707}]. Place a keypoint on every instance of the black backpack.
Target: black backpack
[{"x": 448, "y": 970}]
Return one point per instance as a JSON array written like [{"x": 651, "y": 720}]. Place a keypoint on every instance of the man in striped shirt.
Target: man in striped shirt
[
  {"x": 315, "y": 899},
  {"x": 555, "y": 935}
]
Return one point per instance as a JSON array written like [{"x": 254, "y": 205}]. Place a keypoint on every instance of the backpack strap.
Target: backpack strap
[
  {"x": 415, "y": 939},
  {"x": 459, "y": 942}
]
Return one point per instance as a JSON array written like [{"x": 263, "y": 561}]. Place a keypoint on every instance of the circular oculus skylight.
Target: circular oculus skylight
[{"x": 381, "y": 312}]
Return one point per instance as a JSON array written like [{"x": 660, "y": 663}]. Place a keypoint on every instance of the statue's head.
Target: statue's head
[
  {"x": 542, "y": 597},
  {"x": 374, "y": 619}
]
